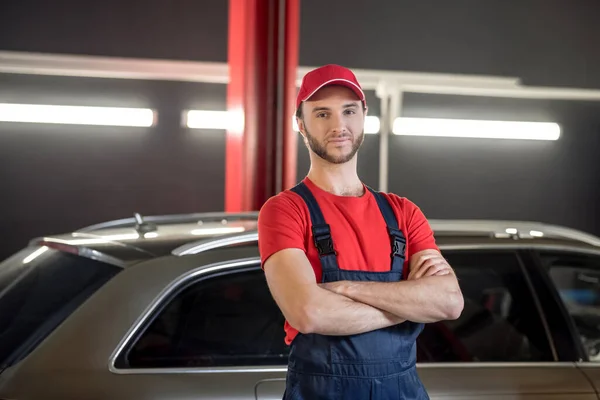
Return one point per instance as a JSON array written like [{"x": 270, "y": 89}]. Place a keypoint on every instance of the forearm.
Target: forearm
[
  {"x": 309, "y": 307},
  {"x": 428, "y": 299},
  {"x": 334, "y": 314}
]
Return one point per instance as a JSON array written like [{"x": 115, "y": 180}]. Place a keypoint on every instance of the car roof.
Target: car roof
[{"x": 139, "y": 238}]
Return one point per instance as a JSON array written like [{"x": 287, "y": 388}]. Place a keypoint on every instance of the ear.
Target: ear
[{"x": 301, "y": 127}]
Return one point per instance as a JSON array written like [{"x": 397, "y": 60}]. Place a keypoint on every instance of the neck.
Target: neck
[{"x": 338, "y": 179}]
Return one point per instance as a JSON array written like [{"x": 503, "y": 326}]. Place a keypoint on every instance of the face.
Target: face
[{"x": 333, "y": 124}]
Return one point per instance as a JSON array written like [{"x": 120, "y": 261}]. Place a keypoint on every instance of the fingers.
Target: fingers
[
  {"x": 438, "y": 269},
  {"x": 431, "y": 265},
  {"x": 424, "y": 266},
  {"x": 332, "y": 286},
  {"x": 424, "y": 262}
]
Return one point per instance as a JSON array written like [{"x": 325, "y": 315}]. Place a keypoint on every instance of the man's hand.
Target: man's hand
[
  {"x": 430, "y": 264},
  {"x": 338, "y": 287},
  {"x": 345, "y": 287},
  {"x": 430, "y": 294},
  {"x": 313, "y": 309}
]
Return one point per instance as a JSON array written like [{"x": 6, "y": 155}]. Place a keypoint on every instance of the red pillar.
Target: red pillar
[{"x": 263, "y": 57}]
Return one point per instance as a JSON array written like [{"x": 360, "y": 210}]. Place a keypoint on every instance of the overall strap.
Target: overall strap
[
  {"x": 320, "y": 229},
  {"x": 397, "y": 239}
]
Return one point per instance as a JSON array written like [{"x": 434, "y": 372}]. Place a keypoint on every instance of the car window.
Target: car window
[
  {"x": 232, "y": 320},
  {"x": 500, "y": 321},
  {"x": 39, "y": 288},
  {"x": 226, "y": 320},
  {"x": 577, "y": 279}
]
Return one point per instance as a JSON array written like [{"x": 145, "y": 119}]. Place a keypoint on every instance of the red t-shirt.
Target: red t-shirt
[{"x": 357, "y": 227}]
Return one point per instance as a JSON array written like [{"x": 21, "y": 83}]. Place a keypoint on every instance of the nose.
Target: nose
[{"x": 337, "y": 124}]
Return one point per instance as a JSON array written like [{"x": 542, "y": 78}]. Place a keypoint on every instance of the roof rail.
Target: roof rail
[
  {"x": 512, "y": 229},
  {"x": 221, "y": 241},
  {"x": 491, "y": 228},
  {"x": 173, "y": 218}
]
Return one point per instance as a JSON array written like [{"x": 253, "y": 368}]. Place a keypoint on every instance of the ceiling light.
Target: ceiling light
[
  {"x": 476, "y": 128},
  {"x": 78, "y": 115},
  {"x": 372, "y": 124},
  {"x": 204, "y": 119}
]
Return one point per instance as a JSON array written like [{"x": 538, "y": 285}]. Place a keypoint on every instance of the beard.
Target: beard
[{"x": 321, "y": 149}]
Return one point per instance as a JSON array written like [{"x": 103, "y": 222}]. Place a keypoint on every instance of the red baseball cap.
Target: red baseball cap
[{"x": 327, "y": 75}]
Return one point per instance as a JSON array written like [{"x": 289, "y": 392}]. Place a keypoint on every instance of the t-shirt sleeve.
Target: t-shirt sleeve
[
  {"x": 280, "y": 226},
  {"x": 419, "y": 233}
]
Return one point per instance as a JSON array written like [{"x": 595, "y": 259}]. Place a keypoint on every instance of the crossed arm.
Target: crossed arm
[{"x": 431, "y": 293}]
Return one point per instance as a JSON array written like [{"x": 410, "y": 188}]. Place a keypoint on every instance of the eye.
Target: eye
[
  {"x": 350, "y": 112},
  {"x": 321, "y": 115}
]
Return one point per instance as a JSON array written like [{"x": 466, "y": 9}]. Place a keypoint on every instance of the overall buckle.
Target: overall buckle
[
  {"x": 398, "y": 243},
  {"x": 398, "y": 247},
  {"x": 324, "y": 245},
  {"x": 323, "y": 240}
]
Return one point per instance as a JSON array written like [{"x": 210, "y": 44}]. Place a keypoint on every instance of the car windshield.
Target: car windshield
[{"x": 39, "y": 288}]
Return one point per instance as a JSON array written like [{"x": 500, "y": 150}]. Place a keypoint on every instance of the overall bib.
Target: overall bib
[{"x": 377, "y": 365}]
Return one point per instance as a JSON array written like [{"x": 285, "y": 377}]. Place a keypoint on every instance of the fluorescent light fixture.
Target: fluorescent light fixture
[
  {"x": 372, "y": 125},
  {"x": 202, "y": 119},
  {"x": 77, "y": 115},
  {"x": 476, "y": 128},
  {"x": 511, "y": 231}
]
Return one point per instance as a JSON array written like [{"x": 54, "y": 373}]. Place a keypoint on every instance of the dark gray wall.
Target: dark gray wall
[
  {"x": 176, "y": 29},
  {"x": 52, "y": 177},
  {"x": 55, "y": 178},
  {"x": 545, "y": 42}
]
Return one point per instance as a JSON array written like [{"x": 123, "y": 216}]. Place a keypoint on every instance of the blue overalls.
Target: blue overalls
[{"x": 375, "y": 365}]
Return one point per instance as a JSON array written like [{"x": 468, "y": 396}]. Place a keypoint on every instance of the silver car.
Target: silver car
[{"x": 177, "y": 307}]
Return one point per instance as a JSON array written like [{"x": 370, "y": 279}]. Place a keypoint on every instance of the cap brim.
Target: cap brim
[{"x": 344, "y": 82}]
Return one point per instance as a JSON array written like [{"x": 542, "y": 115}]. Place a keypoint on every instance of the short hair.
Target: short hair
[{"x": 299, "y": 111}]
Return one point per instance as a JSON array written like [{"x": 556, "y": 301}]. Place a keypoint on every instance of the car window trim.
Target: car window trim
[
  {"x": 519, "y": 246},
  {"x": 583, "y": 357},
  {"x": 172, "y": 289},
  {"x": 538, "y": 305},
  {"x": 207, "y": 270},
  {"x": 523, "y": 268},
  {"x": 283, "y": 369},
  {"x": 533, "y": 250}
]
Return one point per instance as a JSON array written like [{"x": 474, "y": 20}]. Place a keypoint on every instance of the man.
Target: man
[{"x": 355, "y": 272}]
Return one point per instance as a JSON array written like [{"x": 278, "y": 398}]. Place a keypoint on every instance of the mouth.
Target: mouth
[{"x": 339, "y": 140}]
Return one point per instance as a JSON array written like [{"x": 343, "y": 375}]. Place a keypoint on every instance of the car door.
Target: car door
[
  {"x": 216, "y": 336},
  {"x": 500, "y": 347},
  {"x": 576, "y": 276}
]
